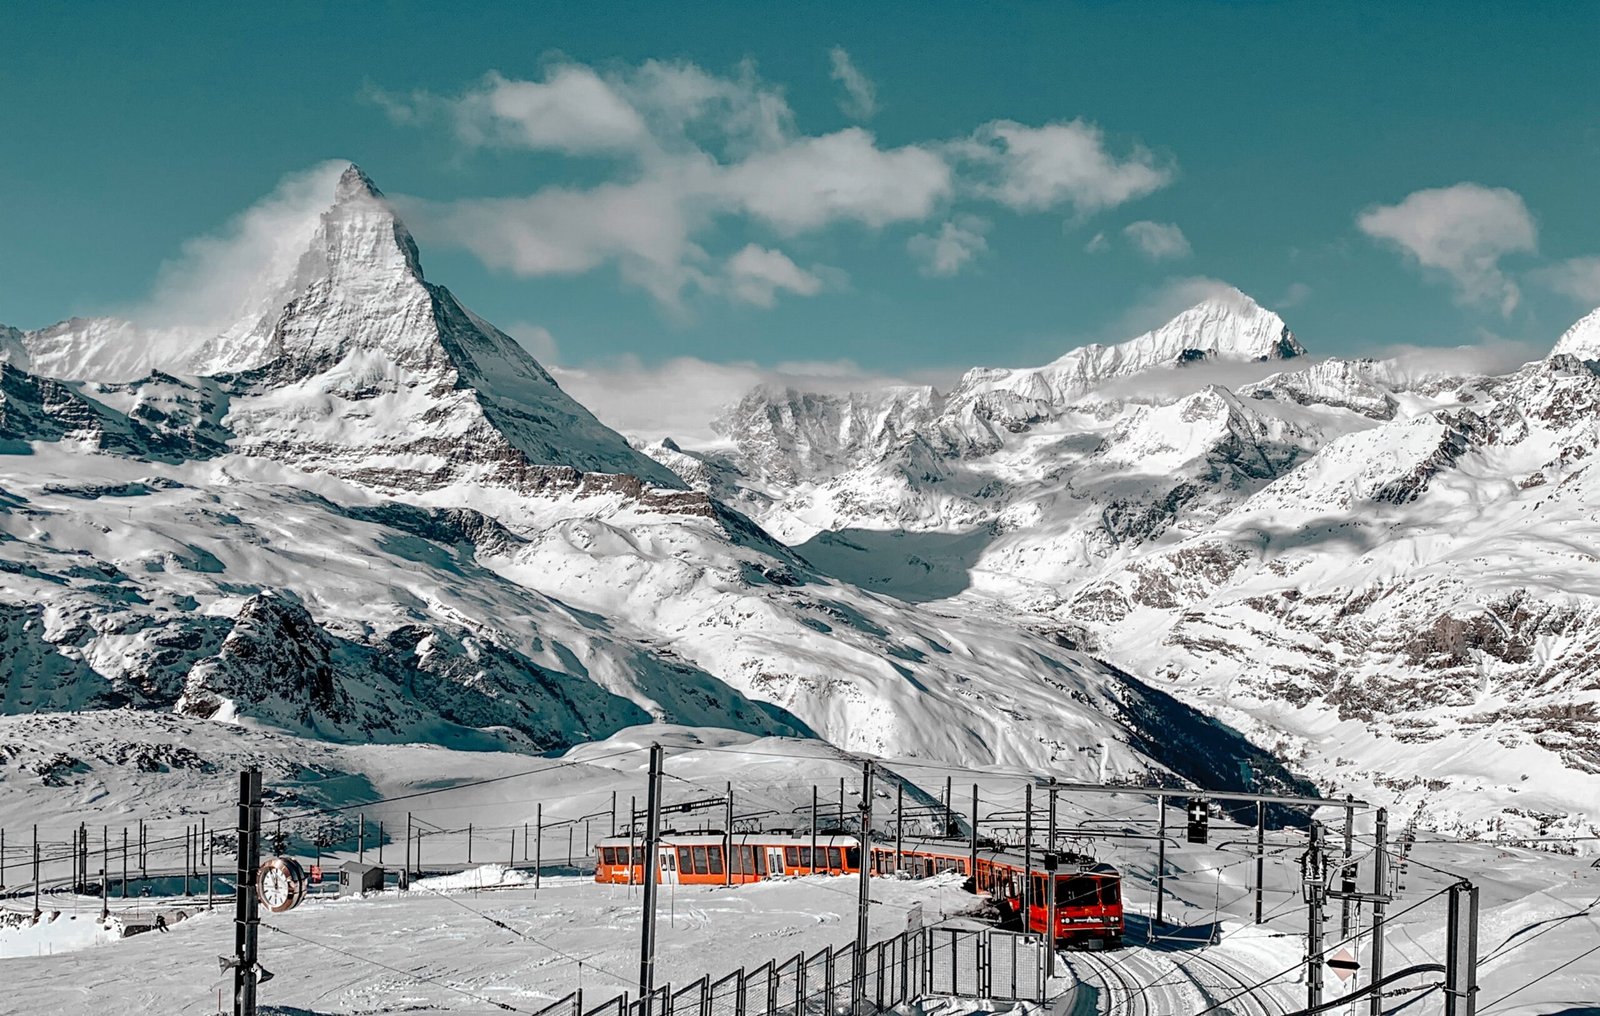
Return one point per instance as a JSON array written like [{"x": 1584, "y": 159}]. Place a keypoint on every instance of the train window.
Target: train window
[
  {"x": 791, "y": 857},
  {"x": 835, "y": 857},
  {"x": 1077, "y": 891},
  {"x": 805, "y": 857},
  {"x": 739, "y": 863},
  {"x": 761, "y": 860},
  {"x": 714, "y": 855},
  {"x": 1110, "y": 893},
  {"x": 1038, "y": 890},
  {"x": 852, "y": 858},
  {"x": 685, "y": 860},
  {"x": 638, "y": 855},
  {"x": 608, "y": 855},
  {"x": 699, "y": 854}
]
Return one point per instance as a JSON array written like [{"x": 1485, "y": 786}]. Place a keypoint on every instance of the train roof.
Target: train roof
[
  {"x": 670, "y": 838},
  {"x": 1071, "y": 864}
]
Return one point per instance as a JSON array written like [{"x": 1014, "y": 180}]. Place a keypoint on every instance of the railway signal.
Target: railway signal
[{"x": 1199, "y": 819}]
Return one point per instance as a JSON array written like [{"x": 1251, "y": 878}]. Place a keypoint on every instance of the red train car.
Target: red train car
[
  {"x": 1088, "y": 894},
  {"x": 712, "y": 859}
]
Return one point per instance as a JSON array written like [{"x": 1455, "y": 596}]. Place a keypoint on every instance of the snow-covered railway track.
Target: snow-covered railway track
[
  {"x": 1226, "y": 983},
  {"x": 1116, "y": 991}
]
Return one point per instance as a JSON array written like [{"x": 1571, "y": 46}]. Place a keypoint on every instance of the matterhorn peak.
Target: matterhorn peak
[{"x": 355, "y": 183}]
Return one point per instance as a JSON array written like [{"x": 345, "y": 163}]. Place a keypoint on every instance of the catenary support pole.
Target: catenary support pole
[
  {"x": 1027, "y": 859},
  {"x": 1349, "y": 850},
  {"x": 188, "y": 845},
  {"x": 124, "y": 862},
  {"x": 469, "y": 843},
  {"x": 246, "y": 919},
  {"x": 727, "y": 840},
  {"x": 105, "y": 902},
  {"x": 538, "y": 843},
  {"x": 858, "y": 982},
  {"x": 811, "y": 860},
  {"x": 380, "y": 841},
  {"x": 1051, "y": 889},
  {"x": 361, "y": 837},
  {"x": 36, "y": 874},
  {"x": 1261, "y": 853},
  {"x": 405, "y": 873},
  {"x": 652, "y": 837},
  {"x": 1380, "y": 878},
  {"x": 972, "y": 843},
  {"x": 1312, "y": 880},
  {"x": 142, "y": 854},
  {"x": 899, "y": 823},
  {"x": 1461, "y": 963},
  {"x": 1161, "y": 856},
  {"x": 211, "y": 873},
  {"x": 949, "y": 807},
  {"x": 613, "y": 813}
]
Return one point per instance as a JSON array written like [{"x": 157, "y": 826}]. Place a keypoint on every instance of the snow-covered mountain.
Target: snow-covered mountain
[
  {"x": 366, "y": 515},
  {"x": 1378, "y": 573}
]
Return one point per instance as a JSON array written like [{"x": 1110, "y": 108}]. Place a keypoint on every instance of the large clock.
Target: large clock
[{"x": 280, "y": 884}]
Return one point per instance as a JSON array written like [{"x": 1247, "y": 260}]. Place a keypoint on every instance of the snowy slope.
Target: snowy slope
[{"x": 1330, "y": 557}]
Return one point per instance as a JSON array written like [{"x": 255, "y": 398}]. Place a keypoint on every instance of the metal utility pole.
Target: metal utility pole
[
  {"x": 899, "y": 822},
  {"x": 538, "y": 843},
  {"x": 1052, "y": 888},
  {"x": 858, "y": 982},
  {"x": 1349, "y": 849},
  {"x": 1027, "y": 859},
  {"x": 1461, "y": 963},
  {"x": 1161, "y": 855},
  {"x": 841, "y": 802},
  {"x": 811, "y": 862},
  {"x": 405, "y": 873},
  {"x": 613, "y": 822},
  {"x": 1261, "y": 853},
  {"x": 1380, "y": 864},
  {"x": 246, "y": 919},
  {"x": 36, "y": 910},
  {"x": 124, "y": 862},
  {"x": 652, "y": 838},
  {"x": 727, "y": 840},
  {"x": 972, "y": 853},
  {"x": 1312, "y": 881},
  {"x": 949, "y": 807}
]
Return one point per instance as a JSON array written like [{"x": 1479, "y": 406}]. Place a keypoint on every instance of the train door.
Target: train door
[
  {"x": 667, "y": 861},
  {"x": 775, "y": 860}
]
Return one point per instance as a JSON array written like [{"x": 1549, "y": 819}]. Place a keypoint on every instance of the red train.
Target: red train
[{"x": 1088, "y": 894}]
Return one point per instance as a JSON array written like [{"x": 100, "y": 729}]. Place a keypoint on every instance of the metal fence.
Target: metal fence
[{"x": 972, "y": 963}]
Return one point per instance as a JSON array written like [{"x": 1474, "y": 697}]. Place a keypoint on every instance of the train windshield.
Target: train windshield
[{"x": 1078, "y": 891}]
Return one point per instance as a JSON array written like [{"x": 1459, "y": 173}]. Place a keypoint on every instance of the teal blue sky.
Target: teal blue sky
[{"x": 1271, "y": 146}]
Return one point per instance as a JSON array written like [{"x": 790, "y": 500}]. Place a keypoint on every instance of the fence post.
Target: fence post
[
  {"x": 739, "y": 999},
  {"x": 705, "y": 995}
]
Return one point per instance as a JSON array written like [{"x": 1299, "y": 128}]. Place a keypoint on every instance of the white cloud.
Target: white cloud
[
  {"x": 1578, "y": 278},
  {"x": 1036, "y": 168},
  {"x": 537, "y": 340},
  {"x": 952, "y": 248},
  {"x": 697, "y": 151},
  {"x": 572, "y": 110},
  {"x": 860, "y": 100},
  {"x": 1161, "y": 304},
  {"x": 812, "y": 182},
  {"x": 1462, "y": 231},
  {"x": 1294, "y": 296},
  {"x": 224, "y": 278},
  {"x": 1158, "y": 241},
  {"x": 1096, "y": 244},
  {"x": 1491, "y": 355},
  {"x": 756, "y": 274}
]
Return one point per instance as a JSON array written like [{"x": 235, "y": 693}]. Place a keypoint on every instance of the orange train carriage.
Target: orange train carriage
[
  {"x": 1088, "y": 894},
  {"x": 703, "y": 858}
]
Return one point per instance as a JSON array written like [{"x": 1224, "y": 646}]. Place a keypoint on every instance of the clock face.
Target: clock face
[{"x": 280, "y": 884}]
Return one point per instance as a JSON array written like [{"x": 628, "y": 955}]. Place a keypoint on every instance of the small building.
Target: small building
[{"x": 357, "y": 877}]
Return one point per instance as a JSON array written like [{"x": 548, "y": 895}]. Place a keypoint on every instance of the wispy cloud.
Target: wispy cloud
[
  {"x": 1158, "y": 241},
  {"x": 1461, "y": 232},
  {"x": 1578, "y": 278},
  {"x": 690, "y": 150},
  {"x": 757, "y": 274},
  {"x": 860, "y": 101},
  {"x": 950, "y": 249}
]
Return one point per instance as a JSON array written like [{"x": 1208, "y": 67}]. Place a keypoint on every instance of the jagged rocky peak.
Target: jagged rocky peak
[
  {"x": 1342, "y": 384},
  {"x": 1582, "y": 340}
]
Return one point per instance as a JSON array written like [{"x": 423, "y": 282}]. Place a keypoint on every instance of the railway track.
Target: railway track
[
  {"x": 1118, "y": 994},
  {"x": 1228, "y": 983}
]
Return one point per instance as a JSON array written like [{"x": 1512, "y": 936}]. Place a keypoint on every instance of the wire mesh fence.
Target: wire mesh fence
[{"x": 967, "y": 962}]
